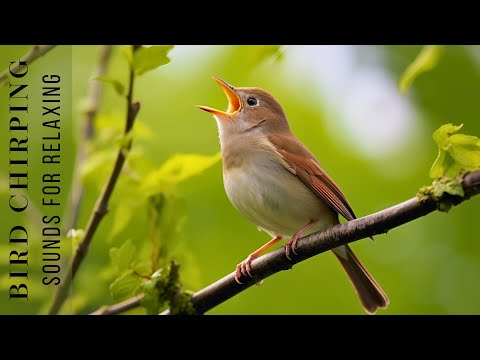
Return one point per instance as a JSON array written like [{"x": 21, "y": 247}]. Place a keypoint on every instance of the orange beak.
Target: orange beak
[{"x": 234, "y": 103}]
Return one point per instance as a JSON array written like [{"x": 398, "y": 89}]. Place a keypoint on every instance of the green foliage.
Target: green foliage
[
  {"x": 165, "y": 210},
  {"x": 456, "y": 152},
  {"x": 127, "y": 283},
  {"x": 125, "y": 286},
  {"x": 97, "y": 166},
  {"x": 103, "y": 150},
  {"x": 164, "y": 287},
  {"x": 440, "y": 187},
  {"x": 167, "y": 213},
  {"x": 110, "y": 129},
  {"x": 116, "y": 84},
  {"x": 150, "y": 58},
  {"x": 121, "y": 217},
  {"x": 161, "y": 287},
  {"x": 153, "y": 190},
  {"x": 176, "y": 169},
  {"x": 426, "y": 60},
  {"x": 122, "y": 257},
  {"x": 153, "y": 290}
]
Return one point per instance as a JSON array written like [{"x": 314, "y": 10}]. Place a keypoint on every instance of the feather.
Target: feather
[{"x": 306, "y": 167}]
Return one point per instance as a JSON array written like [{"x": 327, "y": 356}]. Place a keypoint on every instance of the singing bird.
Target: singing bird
[{"x": 274, "y": 181}]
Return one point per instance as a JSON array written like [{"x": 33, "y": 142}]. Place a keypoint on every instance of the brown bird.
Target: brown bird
[{"x": 273, "y": 180}]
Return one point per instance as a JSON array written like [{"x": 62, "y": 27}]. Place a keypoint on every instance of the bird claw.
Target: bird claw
[
  {"x": 238, "y": 273},
  {"x": 290, "y": 245},
  {"x": 287, "y": 252},
  {"x": 244, "y": 268}
]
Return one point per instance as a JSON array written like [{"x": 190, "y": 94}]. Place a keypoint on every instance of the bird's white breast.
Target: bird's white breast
[{"x": 273, "y": 198}]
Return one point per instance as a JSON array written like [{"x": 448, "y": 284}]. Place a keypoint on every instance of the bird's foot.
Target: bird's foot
[
  {"x": 292, "y": 243},
  {"x": 290, "y": 246},
  {"x": 244, "y": 268}
]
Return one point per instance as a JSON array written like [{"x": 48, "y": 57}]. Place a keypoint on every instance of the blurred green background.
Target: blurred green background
[{"x": 344, "y": 105}]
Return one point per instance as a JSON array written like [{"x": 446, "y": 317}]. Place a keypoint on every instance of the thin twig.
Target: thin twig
[
  {"x": 120, "y": 307},
  {"x": 87, "y": 122},
  {"x": 34, "y": 53},
  {"x": 101, "y": 206}
]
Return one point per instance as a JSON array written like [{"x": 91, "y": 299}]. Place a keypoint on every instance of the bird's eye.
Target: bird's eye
[{"x": 252, "y": 101}]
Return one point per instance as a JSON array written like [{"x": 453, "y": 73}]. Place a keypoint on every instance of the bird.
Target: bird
[{"x": 275, "y": 182}]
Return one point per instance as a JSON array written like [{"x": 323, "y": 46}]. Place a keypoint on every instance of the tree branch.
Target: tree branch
[
  {"x": 325, "y": 240},
  {"x": 314, "y": 244},
  {"x": 87, "y": 122},
  {"x": 34, "y": 53},
  {"x": 101, "y": 206}
]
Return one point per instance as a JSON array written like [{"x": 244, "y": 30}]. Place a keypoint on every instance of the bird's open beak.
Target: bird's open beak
[{"x": 234, "y": 103}]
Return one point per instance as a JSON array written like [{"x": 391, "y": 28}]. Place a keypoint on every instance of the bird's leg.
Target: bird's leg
[
  {"x": 244, "y": 267},
  {"x": 293, "y": 241}
]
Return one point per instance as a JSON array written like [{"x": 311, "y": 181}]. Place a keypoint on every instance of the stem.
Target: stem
[
  {"x": 94, "y": 101},
  {"x": 154, "y": 237},
  {"x": 120, "y": 307},
  {"x": 101, "y": 206},
  {"x": 33, "y": 54}
]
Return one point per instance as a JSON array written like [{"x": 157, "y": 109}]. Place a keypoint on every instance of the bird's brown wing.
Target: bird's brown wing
[{"x": 301, "y": 162}]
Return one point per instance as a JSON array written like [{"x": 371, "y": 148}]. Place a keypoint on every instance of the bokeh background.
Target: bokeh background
[{"x": 344, "y": 104}]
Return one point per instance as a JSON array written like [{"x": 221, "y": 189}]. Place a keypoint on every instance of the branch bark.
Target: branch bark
[
  {"x": 120, "y": 307},
  {"x": 101, "y": 206},
  {"x": 33, "y": 54},
  {"x": 314, "y": 244}
]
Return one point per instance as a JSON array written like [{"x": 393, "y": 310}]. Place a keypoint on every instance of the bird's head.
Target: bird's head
[{"x": 250, "y": 109}]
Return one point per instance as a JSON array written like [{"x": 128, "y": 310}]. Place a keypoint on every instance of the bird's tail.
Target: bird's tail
[{"x": 370, "y": 293}]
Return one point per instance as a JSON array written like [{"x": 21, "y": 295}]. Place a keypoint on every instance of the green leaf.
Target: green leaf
[
  {"x": 125, "y": 286},
  {"x": 176, "y": 169},
  {"x": 110, "y": 129},
  {"x": 127, "y": 51},
  {"x": 465, "y": 150},
  {"x": 154, "y": 292},
  {"x": 436, "y": 191},
  {"x": 170, "y": 221},
  {"x": 97, "y": 167},
  {"x": 142, "y": 266},
  {"x": 121, "y": 217},
  {"x": 142, "y": 131},
  {"x": 123, "y": 256},
  {"x": 172, "y": 217},
  {"x": 117, "y": 85},
  {"x": 446, "y": 185},
  {"x": 149, "y": 58},
  {"x": 442, "y": 134},
  {"x": 168, "y": 211},
  {"x": 456, "y": 152},
  {"x": 426, "y": 60}
]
